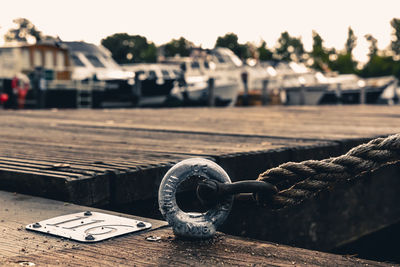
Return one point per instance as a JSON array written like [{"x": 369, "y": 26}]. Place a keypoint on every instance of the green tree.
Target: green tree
[
  {"x": 289, "y": 48},
  {"x": 263, "y": 52},
  {"x": 395, "y": 45},
  {"x": 24, "y": 31},
  {"x": 230, "y": 40},
  {"x": 379, "y": 65},
  {"x": 127, "y": 48},
  {"x": 179, "y": 46},
  {"x": 344, "y": 62},
  {"x": 351, "y": 41},
  {"x": 373, "y": 45},
  {"x": 319, "y": 54},
  {"x": 150, "y": 54}
]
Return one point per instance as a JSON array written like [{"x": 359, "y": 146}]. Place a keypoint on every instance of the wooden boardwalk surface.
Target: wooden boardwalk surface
[
  {"x": 96, "y": 157},
  {"x": 117, "y": 157},
  {"x": 19, "y": 247}
]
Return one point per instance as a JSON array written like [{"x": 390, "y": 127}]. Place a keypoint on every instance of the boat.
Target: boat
[
  {"x": 254, "y": 81},
  {"x": 286, "y": 83},
  {"x": 154, "y": 82},
  {"x": 352, "y": 89},
  {"x": 110, "y": 85},
  {"x": 298, "y": 84},
  {"x": 257, "y": 75},
  {"x": 389, "y": 86},
  {"x": 28, "y": 70},
  {"x": 218, "y": 70}
]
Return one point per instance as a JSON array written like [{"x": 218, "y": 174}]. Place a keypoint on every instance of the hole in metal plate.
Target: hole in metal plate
[{"x": 88, "y": 226}]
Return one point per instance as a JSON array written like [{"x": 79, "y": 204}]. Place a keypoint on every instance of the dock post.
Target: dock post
[
  {"x": 211, "y": 96},
  {"x": 43, "y": 92},
  {"x": 339, "y": 94},
  {"x": 264, "y": 96},
  {"x": 244, "y": 75},
  {"x": 362, "y": 95},
  {"x": 302, "y": 94},
  {"x": 136, "y": 90}
]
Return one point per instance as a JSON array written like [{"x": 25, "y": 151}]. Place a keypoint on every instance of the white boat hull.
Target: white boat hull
[
  {"x": 198, "y": 94},
  {"x": 304, "y": 95}
]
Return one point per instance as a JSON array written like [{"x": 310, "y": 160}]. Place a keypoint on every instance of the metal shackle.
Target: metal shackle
[{"x": 193, "y": 224}]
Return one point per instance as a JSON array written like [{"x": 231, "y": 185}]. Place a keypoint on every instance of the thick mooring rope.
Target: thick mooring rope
[{"x": 306, "y": 177}]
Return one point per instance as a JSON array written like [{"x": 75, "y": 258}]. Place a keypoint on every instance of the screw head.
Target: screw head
[
  {"x": 88, "y": 213},
  {"x": 89, "y": 237},
  {"x": 36, "y": 225},
  {"x": 153, "y": 238},
  {"x": 140, "y": 224},
  {"x": 26, "y": 263}
]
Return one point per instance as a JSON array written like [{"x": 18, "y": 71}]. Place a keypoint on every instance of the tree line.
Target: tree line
[{"x": 126, "y": 48}]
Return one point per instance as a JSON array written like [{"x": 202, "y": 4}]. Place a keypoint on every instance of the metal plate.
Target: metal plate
[{"x": 88, "y": 226}]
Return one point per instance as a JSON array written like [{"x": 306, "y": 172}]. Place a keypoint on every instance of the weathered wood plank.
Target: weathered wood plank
[
  {"x": 122, "y": 164},
  {"x": 317, "y": 122},
  {"x": 18, "y": 210},
  {"x": 18, "y": 245},
  {"x": 124, "y": 153},
  {"x": 222, "y": 251},
  {"x": 83, "y": 189}
]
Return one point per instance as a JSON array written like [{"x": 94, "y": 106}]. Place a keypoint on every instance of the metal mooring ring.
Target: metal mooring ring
[{"x": 193, "y": 224}]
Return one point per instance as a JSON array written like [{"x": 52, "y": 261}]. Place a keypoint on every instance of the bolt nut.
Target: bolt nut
[
  {"x": 89, "y": 237},
  {"x": 140, "y": 224},
  {"x": 36, "y": 225},
  {"x": 88, "y": 213}
]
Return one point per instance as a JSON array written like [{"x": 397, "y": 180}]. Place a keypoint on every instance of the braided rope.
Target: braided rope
[{"x": 299, "y": 180}]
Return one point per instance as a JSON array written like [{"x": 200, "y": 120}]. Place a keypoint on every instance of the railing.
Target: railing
[{"x": 76, "y": 85}]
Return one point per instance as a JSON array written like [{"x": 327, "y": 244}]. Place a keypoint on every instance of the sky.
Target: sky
[{"x": 203, "y": 21}]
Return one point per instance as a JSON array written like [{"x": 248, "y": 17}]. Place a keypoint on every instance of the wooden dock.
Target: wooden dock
[
  {"x": 94, "y": 157},
  {"x": 118, "y": 157},
  {"x": 19, "y": 247}
]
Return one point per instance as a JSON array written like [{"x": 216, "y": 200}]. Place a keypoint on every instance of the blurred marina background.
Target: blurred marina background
[{"x": 175, "y": 53}]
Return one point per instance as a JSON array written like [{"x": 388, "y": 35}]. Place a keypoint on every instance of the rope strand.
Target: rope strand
[{"x": 297, "y": 180}]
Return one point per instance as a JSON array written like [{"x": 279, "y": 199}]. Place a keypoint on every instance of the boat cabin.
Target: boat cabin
[
  {"x": 52, "y": 58},
  {"x": 25, "y": 66},
  {"x": 94, "y": 64}
]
